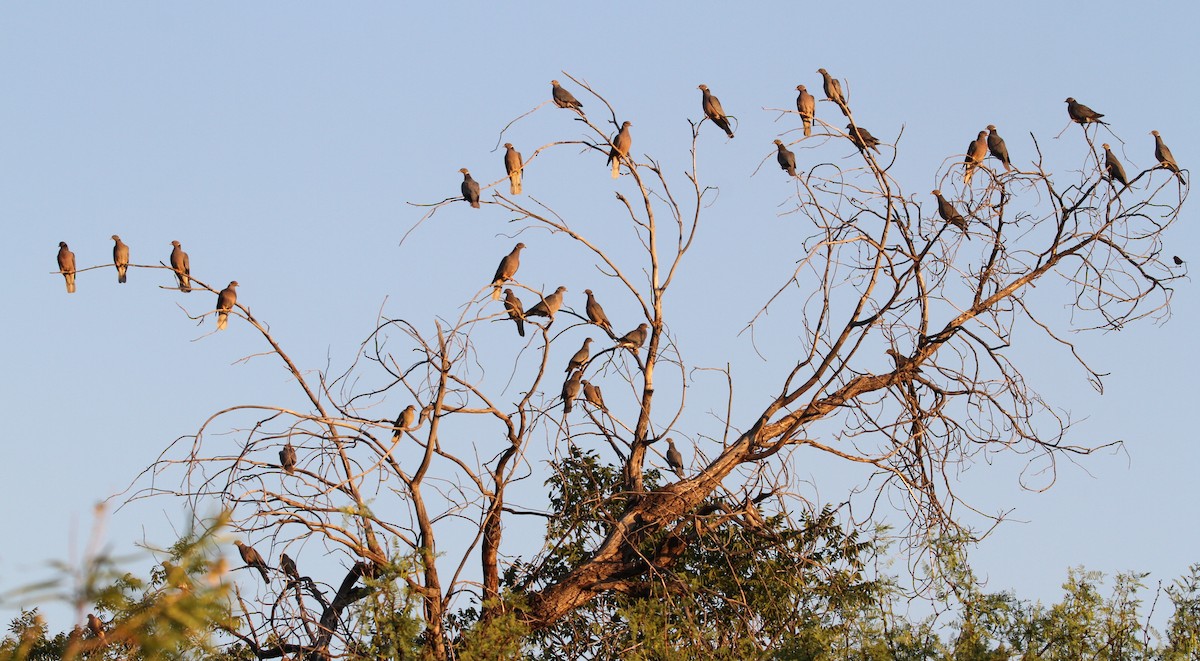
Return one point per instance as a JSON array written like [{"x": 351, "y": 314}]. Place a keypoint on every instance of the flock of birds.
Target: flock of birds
[{"x": 988, "y": 142}]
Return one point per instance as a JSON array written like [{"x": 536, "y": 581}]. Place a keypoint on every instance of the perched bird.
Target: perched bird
[
  {"x": 1163, "y": 155},
  {"x": 548, "y": 306},
  {"x": 97, "y": 628},
  {"x": 287, "y": 458},
  {"x": 674, "y": 459},
  {"x": 513, "y": 166},
  {"x": 949, "y": 213},
  {"x": 997, "y": 148},
  {"x": 634, "y": 339},
  {"x": 564, "y": 99},
  {"x": 787, "y": 160},
  {"x": 620, "y": 149},
  {"x": 506, "y": 269},
  {"x": 253, "y": 559},
  {"x": 1082, "y": 114},
  {"x": 976, "y": 152},
  {"x": 592, "y": 394},
  {"x": 1177, "y": 260},
  {"x": 225, "y": 302},
  {"x": 714, "y": 111},
  {"x": 595, "y": 313},
  {"x": 581, "y": 357},
  {"x": 516, "y": 311},
  {"x": 182, "y": 266},
  {"x": 862, "y": 138},
  {"x": 833, "y": 91},
  {"x": 66, "y": 265},
  {"x": 470, "y": 188},
  {"x": 806, "y": 105},
  {"x": 570, "y": 391},
  {"x": 1113, "y": 167},
  {"x": 120, "y": 258},
  {"x": 289, "y": 567},
  {"x": 406, "y": 421}
]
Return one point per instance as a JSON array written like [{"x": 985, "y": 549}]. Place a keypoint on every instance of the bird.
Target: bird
[
  {"x": 620, "y": 148},
  {"x": 548, "y": 306},
  {"x": 253, "y": 559},
  {"x": 225, "y": 302},
  {"x": 634, "y": 339},
  {"x": 1113, "y": 167},
  {"x": 287, "y": 458},
  {"x": 806, "y": 105},
  {"x": 406, "y": 421},
  {"x": 120, "y": 258},
  {"x": 581, "y": 357},
  {"x": 564, "y": 99},
  {"x": 674, "y": 459},
  {"x": 570, "y": 391},
  {"x": 1163, "y": 155},
  {"x": 470, "y": 188},
  {"x": 512, "y": 165},
  {"x": 515, "y": 310},
  {"x": 595, "y": 313},
  {"x": 289, "y": 567},
  {"x": 787, "y": 160},
  {"x": 592, "y": 394},
  {"x": 182, "y": 266},
  {"x": 506, "y": 269},
  {"x": 714, "y": 111},
  {"x": 949, "y": 213},
  {"x": 1177, "y": 260},
  {"x": 833, "y": 91},
  {"x": 97, "y": 628},
  {"x": 1082, "y": 114},
  {"x": 66, "y": 265},
  {"x": 862, "y": 138},
  {"x": 976, "y": 152},
  {"x": 997, "y": 148}
]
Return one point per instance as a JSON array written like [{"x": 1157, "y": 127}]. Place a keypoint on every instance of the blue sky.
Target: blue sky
[{"x": 281, "y": 144}]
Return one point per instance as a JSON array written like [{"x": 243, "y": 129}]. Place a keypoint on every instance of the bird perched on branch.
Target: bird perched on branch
[
  {"x": 289, "y": 567},
  {"x": 581, "y": 357},
  {"x": 1113, "y": 167},
  {"x": 513, "y": 166},
  {"x": 253, "y": 559},
  {"x": 592, "y": 394},
  {"x": 66, "y": 265},
  {"x": 976, "y": 152},
  {"x": 787, "y": 160},
  {"x": 182, "y": 266},
  {"x": 548, "y": 306},
  {"x": 674, "y": 459},
  {"x": 470, "y": 188},
  {"x": 287, "y": 458},
  {"x": 225, "y": 302},
  {"x": 620, "y": 148},
  {"x": 96, "y": 626},
  {"x": 595, "y": 313},
  {"x": 1082, "y": 114},
  {"x": 833, "y": 91},
  {"x": 714, "y": 111},
  {"x": 570, "y": 391},
  {"x": 515, "y": 310},
  {"x": 120, "y": 258},
  {"x": 634, "y": 339},
  {"x": 564, "y": 99},
  {"x": 506, "y": 269},
  {"x": 862, "y": 138},
  {"x": 997, "y": 148},
  {"x": 1163, "y": 155},
  {"x": 949, "y": 213},
  {"x": 806, "y": 105}
]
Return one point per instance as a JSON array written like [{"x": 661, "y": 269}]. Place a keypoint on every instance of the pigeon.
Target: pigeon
[
  {"x": 182, "y": 266},
  {"x": 1113, "y": 167},
  {"x": 506, "y": 269},
  {"x": 976, "y": 152},
  {"x": 66, "y": 265},
  {"x": 787, "y": 160},
  {"x": 225, "y": 302},
  {"x": 592, "y": 394},
  {"x": 513, "y": 166},
  {"x": 833, "y": 91},
  {"x": 287, "y": 458},
  {"x": 570, "y": 391},
  {"x": 548, "y": 306},
  {"x": 1082, "y": 114},
  {"x": 581, "y": 357},
  {"x": 634, "y": 339},
  {"x": 1163, "y": 155},
  {"x": 515, "y": 311},
  {"x": 253, "y": 559},
  {"x": 862, "y": 138},
  {"x": 620, "y": 149},
  {"x": 595, "y": 313},
  {"x": 714, "y": 111},
  {"x": 949, "y": 213},
  {"x": 470, "y": 188},
  {"x": 120, "y": 258},
  {"x": 806, "y": 105},
  {"x": 674, "y": 459},
  {"x": 564, "y": 99},
  {"x": 997, "y": 148}
]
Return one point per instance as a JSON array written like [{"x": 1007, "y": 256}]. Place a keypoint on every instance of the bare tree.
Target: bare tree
[{"x": 903, "y": 368}]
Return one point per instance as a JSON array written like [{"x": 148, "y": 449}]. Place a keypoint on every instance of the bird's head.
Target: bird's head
[
  {"x": 1105, "y": 146},
  {"x": 1070, "y": 99},
  {"x": 1154, "y": 133},
  {"x": 519, "y": 246},
  {"x": 936, "y": 193},
  {"x": 508, "y": 145},
  {"x": 116, "y": 238},
  {"x": 464, "y": 171},
  {"x": 175, "y": 243},
  {"x": 554, "y": 82},
  {"x": 991, "y": 127},
  {"x": 233, "y": 284},
  {"x": 779, "y": 142},
  {"x": 801, "y": 88},
  {"x": 62, "y": 244}
]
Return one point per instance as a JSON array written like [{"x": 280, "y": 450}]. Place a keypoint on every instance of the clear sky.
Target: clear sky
[{"x": 280, "y": 143}]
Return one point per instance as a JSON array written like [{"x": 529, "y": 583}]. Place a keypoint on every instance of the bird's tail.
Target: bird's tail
[
  {"x": 184, "y": 284},
  {"x": 1008, "y": 166},
  {"x": 514, "y": 181},
  {"x": 70, "y": 277},
  {"x": 495, "y": 292},
  {"x": 520, "y": 326},
  {"x": 616, "y": 163},
  {"x": 121, "y": 274},
  {"x": 222, "y": 320},
  {"x": 968, "y": 174},
  {"x": 807, "y": 127}
]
